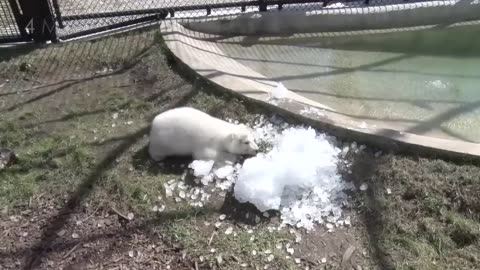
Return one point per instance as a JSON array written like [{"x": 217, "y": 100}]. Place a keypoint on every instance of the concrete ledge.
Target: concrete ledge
[
  {"x": 341, "y": 19},
  {"x": 224, "y": 73}
]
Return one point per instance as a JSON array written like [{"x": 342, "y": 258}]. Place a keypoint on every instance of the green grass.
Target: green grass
[
  {"x": 69, "y": 137},
  {"x": 236, "y": 249},
  {"x": 431, "y": 219}
]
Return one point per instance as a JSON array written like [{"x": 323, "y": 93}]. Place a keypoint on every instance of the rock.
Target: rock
[{"x": 7, "y": 158}]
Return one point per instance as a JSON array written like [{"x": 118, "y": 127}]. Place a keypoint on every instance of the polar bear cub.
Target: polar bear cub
[{"x": 187, "y": 131}]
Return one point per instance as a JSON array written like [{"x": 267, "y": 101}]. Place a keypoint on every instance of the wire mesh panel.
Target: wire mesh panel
[
  {"x": 9, "y": 30},
  {"x": 89, "y": 15},
  {"x": 76, "y": 18}
]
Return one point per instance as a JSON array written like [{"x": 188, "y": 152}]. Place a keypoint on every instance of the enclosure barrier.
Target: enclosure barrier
[{"x": 55, "y": 20}]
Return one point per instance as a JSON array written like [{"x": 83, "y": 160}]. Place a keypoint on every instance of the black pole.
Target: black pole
[{"x": 262, "y": 6}]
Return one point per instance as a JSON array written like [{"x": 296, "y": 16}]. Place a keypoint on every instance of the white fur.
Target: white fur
[{"x": 186, "y": 131}]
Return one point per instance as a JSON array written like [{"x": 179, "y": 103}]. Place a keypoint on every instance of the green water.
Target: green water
[{"x": 425, "y": 82}]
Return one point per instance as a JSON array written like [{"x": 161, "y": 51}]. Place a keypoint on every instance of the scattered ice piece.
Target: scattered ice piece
[
  {"x": 363, "y": 125},
  {"x": 155, "y": 208},
  {"x": 14, "y": 218},
  {"x": 279, "y": 246},
  {"x": 363, "y": 186},
  {"x": 131, "y": 253},
  {"x": 254, "y": 252},
  {"x": 129, "y": 122},
  {"x": 329, "y": 226},
  {"x": 270, "y": 257},
  {"x": 223, "y": 172},
  {"x": 297, "y": 260},
  {"x": 218, "y": 224},
  {"x": 178, "y": 199},
  {"x": 250, "y": 231},
  {"x": 347, "y": 221},
  {"x": 312, "y": 110},
  {"x": 252, "y": 238},
  {"x": 280, "y": 91},
  {"x": 222, "y": 216},
  {"x": 213, "y": 250},
  {"x": 229, "y": 230},
  {"x": 290, "y": 251},
  {"x": 162, "y": 208},
  {"x": 268, "y": 251},
  {"x": 298, "y": 238},
  {"x": 244, "y": 265},
  {"x": 130, "y": 216},
  {"x": 323, "y": 260},
  {"x": 201, "y": 167},
  {"x": 115, "y": 115},
  {"x": 181, "y": 194},
  {"x": 389, "y": 191},
  {"x": 75, "y": 235},
  {"x": 168, "y": 190}
]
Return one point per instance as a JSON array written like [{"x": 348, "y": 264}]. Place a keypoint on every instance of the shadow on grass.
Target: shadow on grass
[
  {"x": 371, "y": 211},
  {"x": 57, "y": 222}
]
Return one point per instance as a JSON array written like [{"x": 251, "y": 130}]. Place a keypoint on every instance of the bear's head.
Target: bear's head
[{"x": 241, "y": 141}]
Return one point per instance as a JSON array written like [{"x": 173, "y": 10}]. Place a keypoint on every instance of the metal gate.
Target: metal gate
[{"x": 54, "y": 20}]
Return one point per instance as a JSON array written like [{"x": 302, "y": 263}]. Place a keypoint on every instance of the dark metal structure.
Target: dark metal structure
[{"x": 54, "y": 20}]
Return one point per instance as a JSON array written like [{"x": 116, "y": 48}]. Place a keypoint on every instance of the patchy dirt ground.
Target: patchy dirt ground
[{"x": 82, "y": 192}]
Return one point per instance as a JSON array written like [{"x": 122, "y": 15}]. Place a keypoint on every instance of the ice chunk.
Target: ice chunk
[
  {"x": 201, "y": 167},
  {"x": 280, "y": 91},
  {"x": 223, "y": 172}
]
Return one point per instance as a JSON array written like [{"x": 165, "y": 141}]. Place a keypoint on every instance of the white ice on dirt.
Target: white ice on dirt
[
  {"x": 280, "y": 91},
  {"x": 298, "y": 176}
]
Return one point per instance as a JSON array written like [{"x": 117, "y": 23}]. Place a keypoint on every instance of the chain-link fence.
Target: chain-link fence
[
  {"x": 75, "y": 18},
  {"x": 9, "y": 30}
]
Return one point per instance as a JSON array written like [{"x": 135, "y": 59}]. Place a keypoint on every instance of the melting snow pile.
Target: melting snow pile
[{"x": 298, "y": 176}]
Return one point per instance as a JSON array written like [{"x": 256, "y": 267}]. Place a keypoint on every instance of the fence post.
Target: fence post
[
  {"x": 262, "y": 5},
  {"x": 40, "y": 20}
]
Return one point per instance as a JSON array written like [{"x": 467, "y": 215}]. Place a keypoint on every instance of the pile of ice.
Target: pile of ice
[{"x": 297, "y": 176}]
